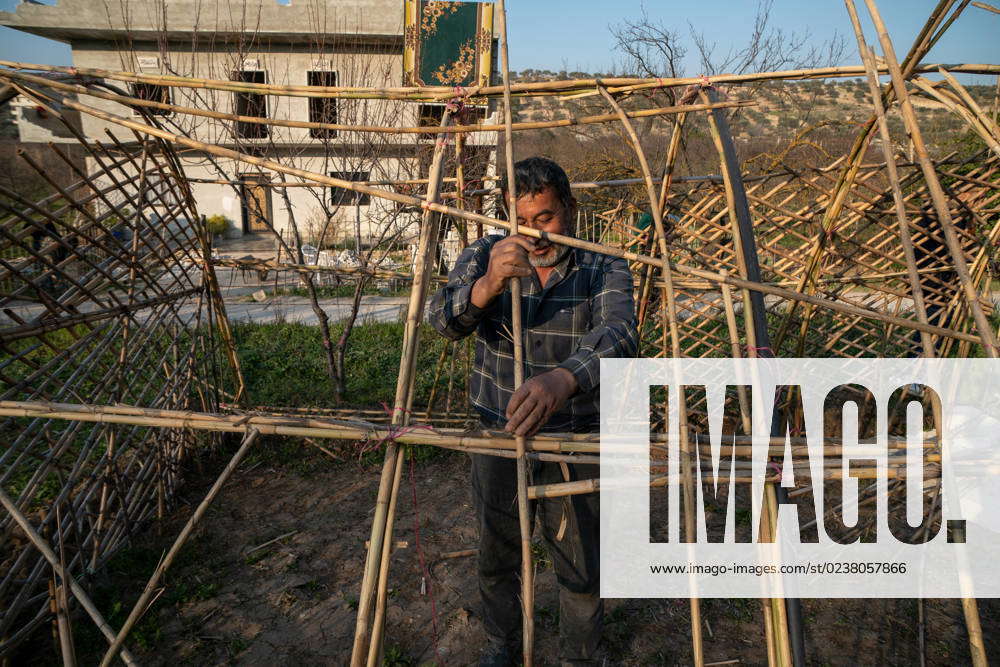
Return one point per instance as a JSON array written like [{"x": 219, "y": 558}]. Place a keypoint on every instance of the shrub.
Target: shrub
[{"x": 217, "y": 224}]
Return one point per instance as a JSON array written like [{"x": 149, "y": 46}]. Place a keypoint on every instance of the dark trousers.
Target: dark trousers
[{"x": 574, "y": 553}]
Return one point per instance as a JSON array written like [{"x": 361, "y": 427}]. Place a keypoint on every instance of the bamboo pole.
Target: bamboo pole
[
  {"x": 460, "y": 184},
  {"x": 675, "y": 347},
  {"x": 259, "y": 264},
  {"x": 976, "y": 123},
  {"x": 217, "y": 305},
  {"x": 847, "y": 177},
  {"x": 441, "y": 93},
  {"x": 970, "y": 101},
  {"x": 673, "y": 149},
  {"x": 989, "y": 341},
  {"x": 987, "y": 337},
  {"x": 367, "y": 642},
  {"x": 311, "y": 125},
  {"x": 141, "y": 605},
  {"x": 897, "y": 192},
  {"x": 61, "y": 602},
  {"x": 585, "y": 486},
  {"x": 774, "y": 612},
  {"x": 786, "y": 612},
  {"x": 770, "y": 636},
  {"x": 67, "y": 579},
  {"x": 779, "y": 611},
  {"x": 517, "y": 333},
  {"x": 347, "y": 430}
]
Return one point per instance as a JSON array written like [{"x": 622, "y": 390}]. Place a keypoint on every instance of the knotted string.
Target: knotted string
[
  {"x": 457, "y": 103},
  {"x": 395, "y": 431},
  {"x": 423, "y": 562}
]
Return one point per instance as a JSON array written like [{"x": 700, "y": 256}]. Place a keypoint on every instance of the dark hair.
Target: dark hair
[{"x": 534, "y": 174}]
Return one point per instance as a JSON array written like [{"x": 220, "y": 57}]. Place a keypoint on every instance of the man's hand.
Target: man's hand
[
  {"x": 535, "y": 401},
  {"x": 508, "y": 259}
]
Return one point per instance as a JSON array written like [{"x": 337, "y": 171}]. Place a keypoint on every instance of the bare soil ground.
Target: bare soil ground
[{"x": 294, "y": 601}]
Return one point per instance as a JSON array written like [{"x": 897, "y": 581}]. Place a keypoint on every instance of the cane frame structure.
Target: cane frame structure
[{"x": 118, "y": 357}]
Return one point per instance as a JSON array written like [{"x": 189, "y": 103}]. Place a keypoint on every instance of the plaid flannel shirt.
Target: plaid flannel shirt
[{"x": 584, "y": 312}]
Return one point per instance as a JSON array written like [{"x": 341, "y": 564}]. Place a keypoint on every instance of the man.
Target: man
[{"x": 577, "y": 307}]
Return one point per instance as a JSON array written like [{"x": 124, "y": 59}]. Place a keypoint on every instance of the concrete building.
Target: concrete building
[{"x": 307, "y": 43}]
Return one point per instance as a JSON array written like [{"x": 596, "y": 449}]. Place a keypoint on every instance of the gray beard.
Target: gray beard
[{"x": 551, "y": 258}]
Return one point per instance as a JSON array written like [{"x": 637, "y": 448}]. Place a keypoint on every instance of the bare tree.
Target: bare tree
[
  {"x": 767, "y": 48},
  {"x": 316, "y": 214},
  {"x": 650, "y": 49}
]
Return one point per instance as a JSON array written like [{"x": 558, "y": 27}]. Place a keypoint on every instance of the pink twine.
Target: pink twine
[
  {"x": 394, "y": 433},
  {"x": 775, "y": 467},
  {"x": 457, "y": 103},
  {"x": 758, "y": 350},
  {"x": 692, "y": 91},
  {"x": 423, "y": 562}
]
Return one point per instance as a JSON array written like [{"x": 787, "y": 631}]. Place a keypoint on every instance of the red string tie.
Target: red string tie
[
  {"x": 457, "y": 103},
  {"x": 395, "y": 432},
  {"x": 758, "y": 350},
  {"x": 771, "y": 465},
  {"x": 423, "y": 564}
]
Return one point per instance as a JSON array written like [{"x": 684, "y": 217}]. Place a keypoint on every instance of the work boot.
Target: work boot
[{"x": 497, "y": 653}]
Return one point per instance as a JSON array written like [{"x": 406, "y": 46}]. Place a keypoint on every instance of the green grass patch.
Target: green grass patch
[{"x": 284, "y": 363}]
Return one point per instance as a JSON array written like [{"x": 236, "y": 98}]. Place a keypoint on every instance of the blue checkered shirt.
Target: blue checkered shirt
[{"x": 584, "y": 312}]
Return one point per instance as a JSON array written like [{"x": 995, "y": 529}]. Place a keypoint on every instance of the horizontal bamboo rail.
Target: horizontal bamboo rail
[
  {"x": 380, "y": 129},
  {"x": 438, "y": 93},
  {"x": 585, "y": 486},
  {"x": 339, "y": 429}
]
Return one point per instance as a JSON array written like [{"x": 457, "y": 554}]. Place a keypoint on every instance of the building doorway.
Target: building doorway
[{"x": 255, "y": 203}]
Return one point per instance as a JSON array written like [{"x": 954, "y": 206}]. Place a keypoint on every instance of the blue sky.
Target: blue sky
[
  {"x": 552, "y": 34},
  {"x": 584, "y": 42}
]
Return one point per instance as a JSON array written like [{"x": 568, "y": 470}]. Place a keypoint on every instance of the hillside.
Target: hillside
[{"x": 791, "y": 124}]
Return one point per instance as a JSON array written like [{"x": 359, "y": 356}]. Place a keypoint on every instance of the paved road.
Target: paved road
[
  {"x": 238, "y": 288},
  {"x": 237, "y": 292},
  {"x": 382, "y": 309}
]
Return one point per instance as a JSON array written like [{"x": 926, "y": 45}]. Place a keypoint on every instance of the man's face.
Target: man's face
[{"x": 544, "y": 212}]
